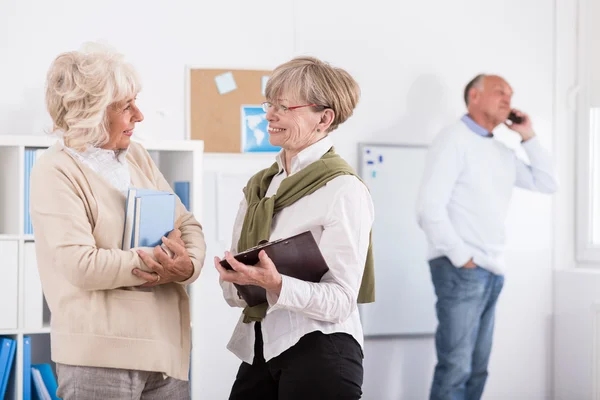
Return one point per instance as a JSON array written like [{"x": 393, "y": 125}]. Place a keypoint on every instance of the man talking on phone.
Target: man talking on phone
[{"x": 463, "y": 201}]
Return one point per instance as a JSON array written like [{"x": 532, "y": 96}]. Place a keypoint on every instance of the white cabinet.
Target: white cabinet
[
  {"x": 33, "y": 298},
  {"x": 9, "y": 269}
]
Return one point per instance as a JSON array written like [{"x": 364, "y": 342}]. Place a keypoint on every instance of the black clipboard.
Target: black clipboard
[{"x": 297, "y": 256}]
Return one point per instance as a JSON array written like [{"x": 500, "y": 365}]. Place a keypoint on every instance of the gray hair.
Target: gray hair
[
  {"x": 316, "y": 82},
  {"x": 80, "y": 86},
  {"x": 476, "y": 82}
]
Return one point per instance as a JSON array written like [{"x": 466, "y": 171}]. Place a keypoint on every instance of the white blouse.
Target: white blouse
[
  {"x": 340, "y": 216},
  {"x": 110, "y": 164}
]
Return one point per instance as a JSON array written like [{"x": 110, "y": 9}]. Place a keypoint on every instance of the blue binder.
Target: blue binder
[
  {"x": 26, "y": 368},
  {"x": 7, "y": 355},
  {"x": 49, "y": 381},
  {"x": 30, "y": 157},
  {"x": 182, "y": 190}
]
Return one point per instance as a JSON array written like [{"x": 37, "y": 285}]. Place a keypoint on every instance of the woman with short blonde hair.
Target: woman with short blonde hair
[
  {"x": 120, "y": 323},
  {"x": 306, "y": 341}
]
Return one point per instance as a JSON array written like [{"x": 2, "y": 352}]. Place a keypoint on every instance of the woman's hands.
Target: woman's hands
[
  {"x": 167, "y": 269},
  {"x": 263, "y": 274}
]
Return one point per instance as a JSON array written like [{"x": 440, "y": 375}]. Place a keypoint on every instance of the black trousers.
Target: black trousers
[{"x": 318, "y": 367}]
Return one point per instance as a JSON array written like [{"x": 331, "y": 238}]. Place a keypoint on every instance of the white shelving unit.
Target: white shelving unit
[{"x": 178, "y": 161}]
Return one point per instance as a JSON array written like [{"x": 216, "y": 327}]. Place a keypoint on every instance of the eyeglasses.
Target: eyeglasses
[{"x": 267, "y": 105}]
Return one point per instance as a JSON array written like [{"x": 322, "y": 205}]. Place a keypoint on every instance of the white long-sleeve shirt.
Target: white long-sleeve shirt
[
  {"x": 340, "y": 216},
  {"x": 465, "y": 192}
]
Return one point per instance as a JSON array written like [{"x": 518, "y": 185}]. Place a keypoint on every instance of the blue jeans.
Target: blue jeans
[{"x": 466, "y": 302}]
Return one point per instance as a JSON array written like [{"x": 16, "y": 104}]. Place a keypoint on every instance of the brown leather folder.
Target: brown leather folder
[{"x": 297, "y": 256}]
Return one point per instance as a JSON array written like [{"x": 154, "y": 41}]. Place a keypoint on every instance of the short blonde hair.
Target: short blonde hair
[
  {"x": 80, "y": 86},
  {"x": 316, "y": 82}
]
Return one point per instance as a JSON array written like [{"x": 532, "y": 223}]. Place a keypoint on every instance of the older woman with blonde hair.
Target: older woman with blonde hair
[
  {"x": 120, "y": 324},
  {"x": 306, "y": 341}
]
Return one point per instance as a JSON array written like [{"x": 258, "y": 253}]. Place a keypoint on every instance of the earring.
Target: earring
[{"x": 318, "y": 130}]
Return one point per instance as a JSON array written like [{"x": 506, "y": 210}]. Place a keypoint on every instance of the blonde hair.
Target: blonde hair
[
  {"x": 316, "y": 82},
  {"x": 80, "y": 86}
]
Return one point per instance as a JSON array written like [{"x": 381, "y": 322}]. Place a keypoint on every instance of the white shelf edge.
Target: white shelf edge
[
  {"x": 39, "y": 331},
  {"x": 172, "y": 145},
  {"x": 9, "y": 236},
  {"x": 24, "y": 331},
  {"x": 237, "y": 156},
  {"x": 151, "y": 144},
  {"x": 27, "y": 140}
]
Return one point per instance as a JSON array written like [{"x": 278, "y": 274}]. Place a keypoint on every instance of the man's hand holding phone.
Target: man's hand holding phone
[{"x": 521, "y": 124}]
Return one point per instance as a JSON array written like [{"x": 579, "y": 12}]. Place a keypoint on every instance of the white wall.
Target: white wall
[
  {"x": 412, "y": 65},
  {"x": 411, "y": 59},
  {"x": 576, "y": 293},
  {"x": 577, "y": 284}
]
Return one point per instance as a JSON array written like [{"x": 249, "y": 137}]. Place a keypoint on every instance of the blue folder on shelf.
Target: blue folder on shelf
[
  {"x": 44, "y": 382},
  {"x": 149, "y": 215},
  {"x": 26, "y": 368},
  {"x": 31, "y": 154},
  {"x": 7, "y": 355},
  {"x": 182, "y": 190}
]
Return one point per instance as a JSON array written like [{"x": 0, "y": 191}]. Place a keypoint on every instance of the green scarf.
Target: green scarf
[{"x": 257, "y": 222}]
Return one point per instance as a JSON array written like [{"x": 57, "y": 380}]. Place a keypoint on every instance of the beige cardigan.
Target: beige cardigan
[{"x": 78, "y": 220}]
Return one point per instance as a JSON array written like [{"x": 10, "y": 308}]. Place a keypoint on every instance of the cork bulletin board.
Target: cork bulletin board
[{"x": 216, "y": 97}]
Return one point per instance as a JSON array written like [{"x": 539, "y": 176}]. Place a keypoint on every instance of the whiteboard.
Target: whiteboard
[{"x": 404, "y": 295}]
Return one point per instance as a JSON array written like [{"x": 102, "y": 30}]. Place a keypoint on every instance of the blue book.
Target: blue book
[
  {"x": 44, "y": 382},
  {"x": 154, "y": 218},
  {"x": 149, "y": 215},
  {"x": 182, "y": 190},
  {"x": 26, "y": 368},
  {"x": 30, "y": 157},
  {"x": 7, "y": 355}
]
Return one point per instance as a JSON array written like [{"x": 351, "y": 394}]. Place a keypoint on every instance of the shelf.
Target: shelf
[
  {"x": 6, "y": 236},
  {"x": 20, "y": 286},
  {"x": 12, "y": 332},
  {"x": 171, "y": 145},
  {"x": 27, "y": 140},
  {"x": 40, "y": 331}
]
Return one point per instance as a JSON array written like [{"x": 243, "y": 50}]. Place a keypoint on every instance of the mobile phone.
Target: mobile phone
[{"x": 514, "y": 118}]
